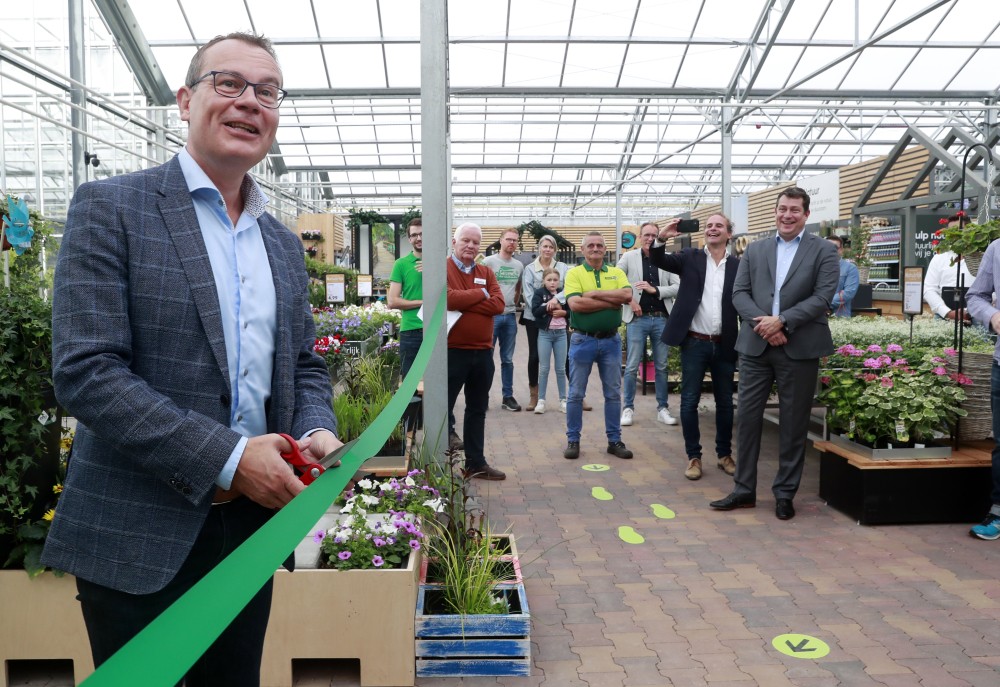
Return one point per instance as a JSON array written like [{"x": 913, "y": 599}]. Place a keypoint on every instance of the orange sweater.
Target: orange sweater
[{"x": 474, "y": 329}]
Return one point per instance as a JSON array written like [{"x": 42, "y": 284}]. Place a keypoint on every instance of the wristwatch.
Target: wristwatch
[{"x": 784, "y": 323}]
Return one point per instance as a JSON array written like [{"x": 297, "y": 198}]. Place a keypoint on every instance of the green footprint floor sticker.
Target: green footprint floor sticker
[
  {"x": 601, "y": 494},
  {"x": 629, "y": 535},
  {"x": 662, "y": 512},
  {"x": 596, "y": 467}
]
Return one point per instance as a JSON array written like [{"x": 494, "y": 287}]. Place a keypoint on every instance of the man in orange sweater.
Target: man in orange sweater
[{"x": 473, "y": 290}]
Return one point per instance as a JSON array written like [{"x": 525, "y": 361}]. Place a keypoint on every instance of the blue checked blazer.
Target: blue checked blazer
[{"x": 139, "y": 358}]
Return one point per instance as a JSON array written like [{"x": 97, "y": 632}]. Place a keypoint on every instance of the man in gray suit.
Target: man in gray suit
[
  {"x": 182, "y": 343},
  {"x": 782, "y": 293}
]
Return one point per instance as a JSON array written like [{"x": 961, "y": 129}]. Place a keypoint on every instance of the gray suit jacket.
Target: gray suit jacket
[
  {"x": 805, "y": 297},
  {"x": 139, "y": 358}
]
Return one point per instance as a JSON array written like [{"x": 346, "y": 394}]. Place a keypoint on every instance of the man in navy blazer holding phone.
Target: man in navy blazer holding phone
[
  {"x": 183, "y": 345},
  {"x": 782, "y": 292},
  {"x": 703, "y": 324}
]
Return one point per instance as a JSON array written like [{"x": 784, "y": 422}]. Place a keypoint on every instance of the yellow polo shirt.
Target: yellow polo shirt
[{"x": 584, "y": 278}]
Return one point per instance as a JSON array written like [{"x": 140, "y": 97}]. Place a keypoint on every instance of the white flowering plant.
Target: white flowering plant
[
  {"x": 879, "y": 395},
  {"x": 362, "y": 542},
  {"x": 928, "y": 332},
  {"x": 357, "y": 322},
  {"x": 411, "y": 494}
]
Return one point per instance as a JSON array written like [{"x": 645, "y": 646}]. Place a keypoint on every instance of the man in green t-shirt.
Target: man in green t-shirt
[
  {"x": 406, "y": 293},
  {"x": 595, "y": 293}
]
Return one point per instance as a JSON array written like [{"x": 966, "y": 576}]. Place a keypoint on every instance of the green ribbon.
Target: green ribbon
[{"x": 163, "y": 652}]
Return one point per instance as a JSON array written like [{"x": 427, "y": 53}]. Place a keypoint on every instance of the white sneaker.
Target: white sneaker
[
  {"x": 665, "y": 417},
  {"x": 540, "y": 406},
  {"x": 562, "y": 406},
  {"x": 627, "y": 417}
]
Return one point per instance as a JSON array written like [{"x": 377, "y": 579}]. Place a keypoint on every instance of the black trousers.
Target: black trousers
[
  {"x": 473, "y": 371},
  {"x": 531, "y": 329},
  {"x": 114, "y": 617}
]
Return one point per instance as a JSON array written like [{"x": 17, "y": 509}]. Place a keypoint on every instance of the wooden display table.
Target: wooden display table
[{"x": 929, "y": 490}]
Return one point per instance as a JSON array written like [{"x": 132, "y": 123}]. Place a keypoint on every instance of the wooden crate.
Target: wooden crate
[
  {"x": 40, "y": 619},
  {"x": 473, "y": 645}
]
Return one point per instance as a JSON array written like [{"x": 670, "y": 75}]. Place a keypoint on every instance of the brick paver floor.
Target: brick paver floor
[{"x": 700, "y": 601}]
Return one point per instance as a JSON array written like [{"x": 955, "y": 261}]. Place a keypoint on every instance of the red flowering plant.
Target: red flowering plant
[
  {"x": 329, "y": 347},
  {"x": 879, "y": 396},
  {"x": 967, "y": 239}
]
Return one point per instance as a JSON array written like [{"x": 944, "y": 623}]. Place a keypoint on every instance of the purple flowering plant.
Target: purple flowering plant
[
  {"x": 879, "y": 395},
  {"x": 361, "y": 541}
]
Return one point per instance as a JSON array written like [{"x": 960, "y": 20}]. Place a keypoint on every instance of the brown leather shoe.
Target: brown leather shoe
[
  {"x": 693, "y": 469},
  {"x": 727, "y": 465},
  {"x": 486, "y": 472}
]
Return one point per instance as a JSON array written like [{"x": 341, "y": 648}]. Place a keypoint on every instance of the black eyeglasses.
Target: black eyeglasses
[{"x": 232, "y": 85}]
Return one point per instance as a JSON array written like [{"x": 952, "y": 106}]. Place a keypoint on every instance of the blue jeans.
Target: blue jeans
[
  {"x": 505, "y": 329},
  {"x": 697, "y": 357},
  {"x": 409, "y": 344},
  {"x": 995, "y": 407},
  {"x": 584, "y": 351},
  {"x": 551, "y": 341},
  {"x": 636, "y": 333}
]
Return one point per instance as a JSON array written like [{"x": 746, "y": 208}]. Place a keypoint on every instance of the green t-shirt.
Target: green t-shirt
[
  {"x": 404, "y": 273},
  {"x": 583, "y": 278}
]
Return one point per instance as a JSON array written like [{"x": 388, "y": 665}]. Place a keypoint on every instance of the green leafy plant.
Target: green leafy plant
[
  {"x": 468, "y": 572},
  {"x": 856, "y": 250},
  {"x": 318, "y": 270},
  {"x": 879, "y": 396},
  {"x": 29, "y": 415},
  {"x": 972, "y": 238}
]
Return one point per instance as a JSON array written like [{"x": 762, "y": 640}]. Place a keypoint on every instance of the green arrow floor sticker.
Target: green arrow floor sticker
[
  {"x": 601, "y": 494},
  {"x": 662, "y": 512},
  {"x": 800, "y": 646},
  {"x": 595, "y": 467},
  {"x": 629, "y": 535}
]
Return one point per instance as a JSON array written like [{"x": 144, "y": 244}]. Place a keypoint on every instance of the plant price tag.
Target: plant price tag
[{"x": 901, "y": 432}]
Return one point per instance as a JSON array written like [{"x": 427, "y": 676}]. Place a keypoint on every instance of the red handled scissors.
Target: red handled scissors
[{"x": 308, "y": 470}]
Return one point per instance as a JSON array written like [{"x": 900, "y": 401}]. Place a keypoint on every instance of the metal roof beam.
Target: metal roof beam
[{"x": 134, "y": 48}]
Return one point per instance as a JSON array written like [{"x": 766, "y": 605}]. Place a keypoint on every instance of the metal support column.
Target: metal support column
[
  {"x": 435, "y": 207},
  {"x": 618, "y": 221},
  {"x": 78, "y": 75},
  {"x": 727, "y": 161}
]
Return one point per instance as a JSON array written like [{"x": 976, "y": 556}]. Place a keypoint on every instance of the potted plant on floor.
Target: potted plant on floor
[
  {"x": 472, "y": 614},
  {"x": 881, "y": 398}
]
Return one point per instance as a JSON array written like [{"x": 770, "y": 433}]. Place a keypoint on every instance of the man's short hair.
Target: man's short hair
[
  {"x": 197, "y": 62},
  {"x": 649, "y": 224},
  {"x": 415, "y": 222},
  {"x": 794, "y": 192},
  {"x": 729, "y": 223},
  {"x": 836, "y": 239},
  {"x": 959, "y": 217},
  {"x": 467, "y": 225}
]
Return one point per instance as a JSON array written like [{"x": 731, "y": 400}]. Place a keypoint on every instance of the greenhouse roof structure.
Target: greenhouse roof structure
[{"x": 554, "y": 106}]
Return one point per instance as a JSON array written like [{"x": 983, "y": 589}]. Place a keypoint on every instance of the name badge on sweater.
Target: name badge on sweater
[{"x": 479, "y": 281}]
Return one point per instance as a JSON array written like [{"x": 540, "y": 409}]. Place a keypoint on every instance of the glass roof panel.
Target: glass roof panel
[
  {"x": 400, "y": 18},
  {"x": 475, "y": 65},
  {"x": 878, "y": 68},
  {"x": 706, "y": 66},
  {"x": 602, "y": 18},
  {"x": 918, "y": 29},
  {"x": 354, "y": 66},
  {"x": 651, "y": 66},
  {"x": 346, "y": 19},
  {"x": 467, "y": 19},
  {"x": 161, "y": 20},
  {"x": 208, "y": 18},
  {"x": 301, "y": 66},
  {"x": 534, "y": 64},
  {"x": 533, "y": 18},
  {"x": 935, "y": 68},
  {"x": 404, "y": 65},
  {"x": 723, "y": 18},
  {"x": 981, "y": 71},
  {"x": 593, "y": 65},
  {"x": 282, "y": 19}
]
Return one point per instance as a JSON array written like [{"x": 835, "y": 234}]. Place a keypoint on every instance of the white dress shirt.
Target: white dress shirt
[
  {"x": 708, "y": 317},
  {"x": 940, "y": 274}
]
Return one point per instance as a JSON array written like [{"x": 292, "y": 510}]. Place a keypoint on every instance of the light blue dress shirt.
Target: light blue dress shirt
[
  {"x": 247, "y": 301},
  {"x": 786, "y": 253}
]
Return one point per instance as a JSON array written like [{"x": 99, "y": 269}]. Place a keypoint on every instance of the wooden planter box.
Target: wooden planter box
[
  {"x": 363, "y": 614},
  {"x": 472, "y": 645},
  {"x": 505, "y": 542},
  {"x": 40, "y": 619}
]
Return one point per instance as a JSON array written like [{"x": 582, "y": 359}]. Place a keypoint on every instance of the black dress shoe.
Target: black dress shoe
[
  {"x": 734, "y": 501},
  {"x": 784, "y": 509},
  {"x": 572, "y": 451}
]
